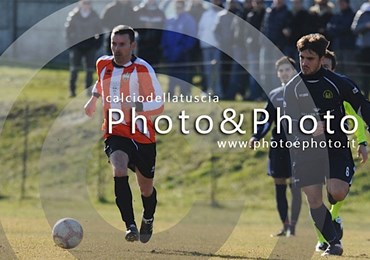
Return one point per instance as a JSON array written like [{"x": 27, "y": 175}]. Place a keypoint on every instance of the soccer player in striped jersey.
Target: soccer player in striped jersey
[{"x": 126, "y": 85}]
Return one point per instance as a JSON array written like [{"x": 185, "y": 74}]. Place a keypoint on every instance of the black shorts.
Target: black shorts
[
  {"x": 336, "y": 164},
  {"x": 279, "y": 165},
  {"x": 140, "y": 155}
]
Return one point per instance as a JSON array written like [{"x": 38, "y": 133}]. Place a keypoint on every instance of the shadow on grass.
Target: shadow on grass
[
  {"x": 360, "y": 256},
  {"x": 200, "y": 254}
]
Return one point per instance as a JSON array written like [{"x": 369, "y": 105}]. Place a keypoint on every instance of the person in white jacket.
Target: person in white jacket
[
  {"x": 361, "y": 27},
  {"x": 210, "y": 48}
]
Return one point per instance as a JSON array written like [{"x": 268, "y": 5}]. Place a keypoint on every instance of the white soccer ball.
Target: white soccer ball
[{"x": 67, "y": 233}]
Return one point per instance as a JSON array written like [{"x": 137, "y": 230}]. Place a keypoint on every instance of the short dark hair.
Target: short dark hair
[
  {"x": 124, "y": 29},
  {"x": 284, "y": 60},
  {"x": 315, "y": 42},
  {"x": 331, "y": 55}
]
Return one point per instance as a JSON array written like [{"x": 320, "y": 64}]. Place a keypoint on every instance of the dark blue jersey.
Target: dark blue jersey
[
  {"x": 276, "y": 99},
  {"x": 316, "y": 94}
]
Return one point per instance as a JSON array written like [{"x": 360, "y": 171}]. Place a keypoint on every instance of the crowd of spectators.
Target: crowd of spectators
[{"x": 200, "y": 61}]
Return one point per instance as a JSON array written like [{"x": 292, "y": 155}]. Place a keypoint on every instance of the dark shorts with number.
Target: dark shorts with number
[
  {"x": 141, "y": 156},
  {"x": 331, "y": 164},
  {"x": 279, "y": 165}
]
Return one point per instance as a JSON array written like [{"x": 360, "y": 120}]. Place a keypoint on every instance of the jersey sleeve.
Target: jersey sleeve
[
  {"x": 352, "y": 94},
  {"x": 149, "y": 86},
  {"x": 101, "y": 63},
  {"x": 262, "y": 130},
  {"x": 361, "y": 129}
]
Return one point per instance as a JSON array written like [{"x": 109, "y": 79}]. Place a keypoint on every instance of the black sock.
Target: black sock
[
  {"x": 331, "y": 200},
  {"x": 124, "y": 199},
  {"x": 282, "y": 202},
  {"x": 322, "y": 219},
  {"x": 149, "y": 204},
  {"x": 296, "y": 203}
]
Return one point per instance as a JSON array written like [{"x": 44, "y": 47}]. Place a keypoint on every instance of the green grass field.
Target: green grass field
[{"x": 67, "y": 175}]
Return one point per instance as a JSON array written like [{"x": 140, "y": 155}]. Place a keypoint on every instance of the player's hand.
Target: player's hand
[
  {"x": 362, "y": 153},
  {"x": 90, "y": 107},
  {"x": 252, "y": 142}
]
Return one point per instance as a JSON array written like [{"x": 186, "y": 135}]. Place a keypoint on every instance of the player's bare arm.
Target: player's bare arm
[
  {"x": 362, "y": 153},
  {"x": 90, "y": 106}
]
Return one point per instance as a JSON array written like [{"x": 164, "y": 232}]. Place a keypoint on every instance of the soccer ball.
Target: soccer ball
[{"x": 67, "y": 233}]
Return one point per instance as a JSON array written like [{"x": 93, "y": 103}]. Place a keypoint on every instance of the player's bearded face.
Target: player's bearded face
[
  {"x": 310, "y": 62},
  {"x": 122, "y": 48}
]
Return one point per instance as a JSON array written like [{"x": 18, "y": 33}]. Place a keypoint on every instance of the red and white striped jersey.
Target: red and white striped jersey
[{"x": 136, "y": 81}]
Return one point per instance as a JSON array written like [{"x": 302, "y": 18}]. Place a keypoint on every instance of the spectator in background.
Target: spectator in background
[
  {"x": 225, "y": 37},
  {"x": 277, "y": 24},
  {"x": 177, "y": 46},
  {"x": 149, "y": 16},
  {"x": 210, "y": 48},
  {"x": 115, "y": 13},
  {"x": 81, "y": 26},
  {"x": 361, "y": 27},
  {"x": 246, "y": 8},
  {"x": 339, "y": 31},
  {"x": 302, "y": 22},
  {"x": 238, "y": 80},
  {"x": 196, "y": 10},
  {"x": 277, "y": 27},
  {"x": 322, "y": 11},
  {"x": 255, "y": 18}
]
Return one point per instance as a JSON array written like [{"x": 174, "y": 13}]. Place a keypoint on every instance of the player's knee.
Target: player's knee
[
  {"x": 338, "y": 195},
  {"x": 146, "y": 190},
  {"x": 119, "y": 172},
  {"x": 338, "y": 190}
]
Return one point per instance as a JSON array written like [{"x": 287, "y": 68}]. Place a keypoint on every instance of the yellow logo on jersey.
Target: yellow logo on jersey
[{"x": 328, "y": 94}]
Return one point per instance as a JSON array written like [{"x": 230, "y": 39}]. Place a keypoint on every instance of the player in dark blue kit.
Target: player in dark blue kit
[
  {"x": 279, "y": 159},
  {"x": 320, "y": 93}
]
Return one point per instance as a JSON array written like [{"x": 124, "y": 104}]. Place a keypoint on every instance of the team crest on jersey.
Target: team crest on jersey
[
  {"x": 126, "y": 76},
  {"x": 355, "y": 90},
  {"x": 328, "y": 94}
]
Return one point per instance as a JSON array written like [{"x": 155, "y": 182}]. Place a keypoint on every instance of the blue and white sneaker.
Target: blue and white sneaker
[
  {"x": 132, "y": 234},
  {"x": 335, "y": 249}
]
